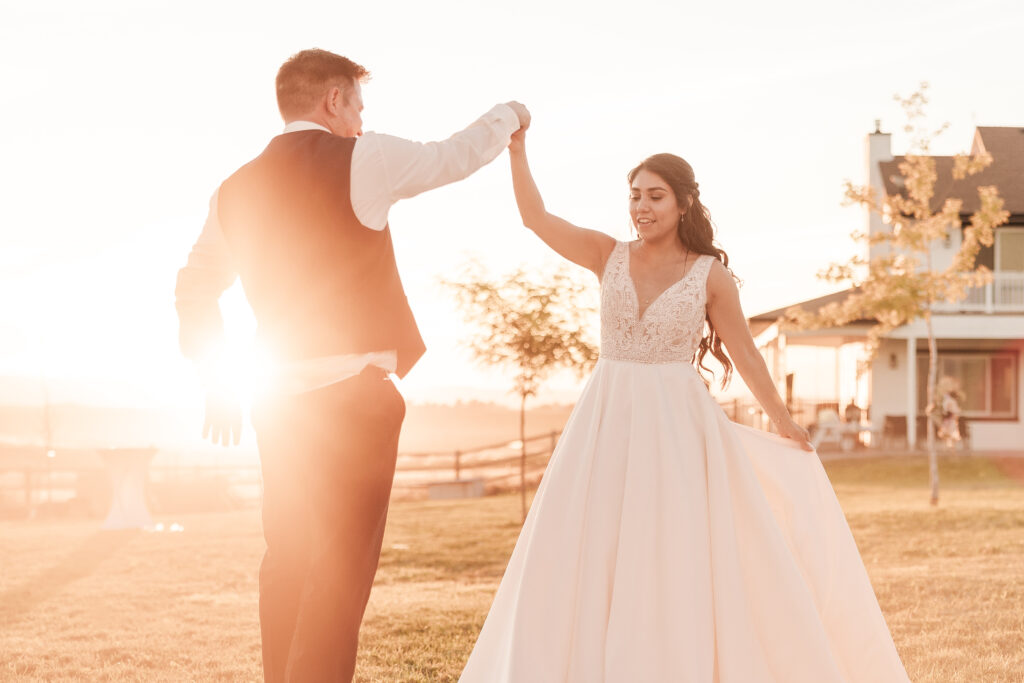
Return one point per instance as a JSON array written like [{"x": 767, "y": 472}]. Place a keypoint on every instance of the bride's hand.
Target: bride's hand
[
  {"x": 791, "y": 430},
  {"x": 518, "y": 141}
]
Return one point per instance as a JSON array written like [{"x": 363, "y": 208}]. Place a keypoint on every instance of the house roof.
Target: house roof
[
  {"x": 1006, "y": 172},
  {"x": 760, "y": 322}
]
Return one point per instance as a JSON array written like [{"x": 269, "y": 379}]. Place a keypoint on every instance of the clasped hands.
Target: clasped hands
[{"x": 519, "y": 137}]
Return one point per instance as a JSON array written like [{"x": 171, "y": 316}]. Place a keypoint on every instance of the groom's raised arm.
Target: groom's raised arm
[{"x": 386, "y": 168}]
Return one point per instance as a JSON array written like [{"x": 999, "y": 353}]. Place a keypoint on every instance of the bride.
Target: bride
[{"x": 665, "y": 542}]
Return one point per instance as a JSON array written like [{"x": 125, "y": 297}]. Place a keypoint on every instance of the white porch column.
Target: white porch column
[
  {"x": 781, "y": 382},
  {"x": 839, "y": 379},
  {"x": 781, "y": 367},
  {"x": 911, "y": 391}
]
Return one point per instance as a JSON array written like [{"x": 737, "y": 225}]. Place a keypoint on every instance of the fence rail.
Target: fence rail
[
  {"x": 42, "y": 483},
  {"x": 494, "y": 464},
  {"x": 1004, "y": 294},
  {"x": 805, "y": 412},
  {"x": 34, "y": 481}
]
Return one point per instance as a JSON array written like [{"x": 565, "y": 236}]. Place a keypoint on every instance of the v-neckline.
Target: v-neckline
[{"x": 632, "y": 283}]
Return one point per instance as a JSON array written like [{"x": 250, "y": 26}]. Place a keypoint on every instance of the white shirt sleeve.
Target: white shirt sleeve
[
  {"x": 209, "y": 271},
  {"x": 386, "y": 168}
]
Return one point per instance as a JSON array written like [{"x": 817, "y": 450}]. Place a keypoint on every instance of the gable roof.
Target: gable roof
[
  {"x": 762, "y": 321},
  {"x": 1006, "y": 172}
]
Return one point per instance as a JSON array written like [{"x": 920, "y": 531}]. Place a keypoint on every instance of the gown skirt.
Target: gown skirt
[{"x": 667, "y": 543}]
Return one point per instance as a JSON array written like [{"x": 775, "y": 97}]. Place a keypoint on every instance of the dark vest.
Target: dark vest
[{"x": 320, "y": 282}]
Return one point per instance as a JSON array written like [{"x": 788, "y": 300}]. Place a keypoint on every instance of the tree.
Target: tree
[
  {"x": 529, "y": 325},
  {"x": 899, "y": 285}
]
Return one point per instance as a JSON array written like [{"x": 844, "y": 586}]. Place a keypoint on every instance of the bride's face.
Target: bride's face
[{"x": 653, "y": 206}]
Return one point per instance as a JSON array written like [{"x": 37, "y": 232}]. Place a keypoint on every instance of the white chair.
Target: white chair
[{"x": 829, "y": 428}]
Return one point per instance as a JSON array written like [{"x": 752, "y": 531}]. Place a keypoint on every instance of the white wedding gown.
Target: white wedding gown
[{"x": 666, "y": 543}]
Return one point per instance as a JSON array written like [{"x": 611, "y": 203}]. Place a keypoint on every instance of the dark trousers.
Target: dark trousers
[{"x": 328, "y": 460}]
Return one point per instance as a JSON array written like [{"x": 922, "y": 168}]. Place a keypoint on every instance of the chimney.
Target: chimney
[{"x": 879, "y": 149}]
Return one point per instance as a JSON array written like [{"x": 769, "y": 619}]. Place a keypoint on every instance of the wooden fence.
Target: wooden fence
[
  {"x": 37, "y": 483},
  {"x": 495, "y": 466}
]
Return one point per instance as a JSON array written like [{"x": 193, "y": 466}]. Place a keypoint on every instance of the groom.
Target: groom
[{"x": 305, "y": 227}]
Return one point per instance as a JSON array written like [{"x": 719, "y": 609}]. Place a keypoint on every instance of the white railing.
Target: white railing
[{"x": 1005, "y": 293}]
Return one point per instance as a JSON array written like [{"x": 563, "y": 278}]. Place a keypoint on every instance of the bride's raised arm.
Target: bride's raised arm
[{"x": 588, "y": 248}]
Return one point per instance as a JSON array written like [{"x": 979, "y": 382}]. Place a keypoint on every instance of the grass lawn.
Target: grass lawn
[{"x": 79, "y": 604}]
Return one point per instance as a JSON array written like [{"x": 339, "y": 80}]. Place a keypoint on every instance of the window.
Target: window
[
  {"x": 1003, "y": 390},
  {"x": 987, "y": 379},
  {"x": 1009, "y": 256}
]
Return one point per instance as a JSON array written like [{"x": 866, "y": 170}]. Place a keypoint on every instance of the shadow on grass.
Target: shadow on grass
[
  {"x": 82, "y": 562},
  {"x": 911, "y": 471}
]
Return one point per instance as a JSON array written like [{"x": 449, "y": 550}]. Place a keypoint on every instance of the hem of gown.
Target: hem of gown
[{"x": 775, "y": 533}]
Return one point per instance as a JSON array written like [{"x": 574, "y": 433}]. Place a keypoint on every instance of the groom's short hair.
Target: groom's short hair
[{"x": 307, "y": 75}]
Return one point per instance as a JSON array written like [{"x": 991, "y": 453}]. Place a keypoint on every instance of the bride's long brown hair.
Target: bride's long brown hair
[{"x": 697, "y": 235}]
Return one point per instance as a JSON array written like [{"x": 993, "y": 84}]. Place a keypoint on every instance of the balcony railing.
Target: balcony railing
[{"x": 1004, "y": 294}]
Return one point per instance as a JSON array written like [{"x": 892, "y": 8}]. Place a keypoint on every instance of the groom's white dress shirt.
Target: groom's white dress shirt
[{"x": 385, "y": 169}]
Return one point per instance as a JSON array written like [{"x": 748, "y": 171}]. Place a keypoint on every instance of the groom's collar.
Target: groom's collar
[{"x": 296, "y": 126}]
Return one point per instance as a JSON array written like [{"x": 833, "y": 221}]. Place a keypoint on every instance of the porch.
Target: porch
[{"x": 982, "y": 353}]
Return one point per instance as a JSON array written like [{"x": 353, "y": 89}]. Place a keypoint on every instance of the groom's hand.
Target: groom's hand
[
  {"x": 522, "y": 112},
  {"x": 223, "y": 423}
]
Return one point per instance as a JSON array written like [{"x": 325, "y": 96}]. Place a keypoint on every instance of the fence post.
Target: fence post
[
  {"x": 458, "y": 465},
  {"x": 28, "y": 491}
]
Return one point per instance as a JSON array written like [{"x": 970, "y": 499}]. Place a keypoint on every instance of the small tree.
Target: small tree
[
  {"x": 531, "y": 326},
  {"x": 900, "y": 284}
]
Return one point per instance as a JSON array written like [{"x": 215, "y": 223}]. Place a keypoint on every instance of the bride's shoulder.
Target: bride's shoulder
[
  {"x": 720, "y": 279},
  {"x": 624, "y": 246},
  {"x": 615, "y": 246},
  {"x": 608, "y": 251}
]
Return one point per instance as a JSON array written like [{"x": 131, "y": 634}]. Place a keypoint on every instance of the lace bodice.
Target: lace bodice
[{"x": 672, "y": 325}]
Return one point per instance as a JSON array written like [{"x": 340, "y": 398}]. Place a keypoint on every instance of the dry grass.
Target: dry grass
[
  {"x": 949, "y": 579},
  {"x": 77, "y": 604}
]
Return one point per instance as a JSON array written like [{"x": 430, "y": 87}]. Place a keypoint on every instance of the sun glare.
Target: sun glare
[
  {"x": 248, "y": 367},
  {"x": 245, "y": 370}
]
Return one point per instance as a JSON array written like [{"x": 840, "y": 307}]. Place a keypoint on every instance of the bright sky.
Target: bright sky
[{"x": 121, "y": 118}]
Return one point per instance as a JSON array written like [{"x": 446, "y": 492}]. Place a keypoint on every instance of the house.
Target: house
[{"x": 980, "y": 340}]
